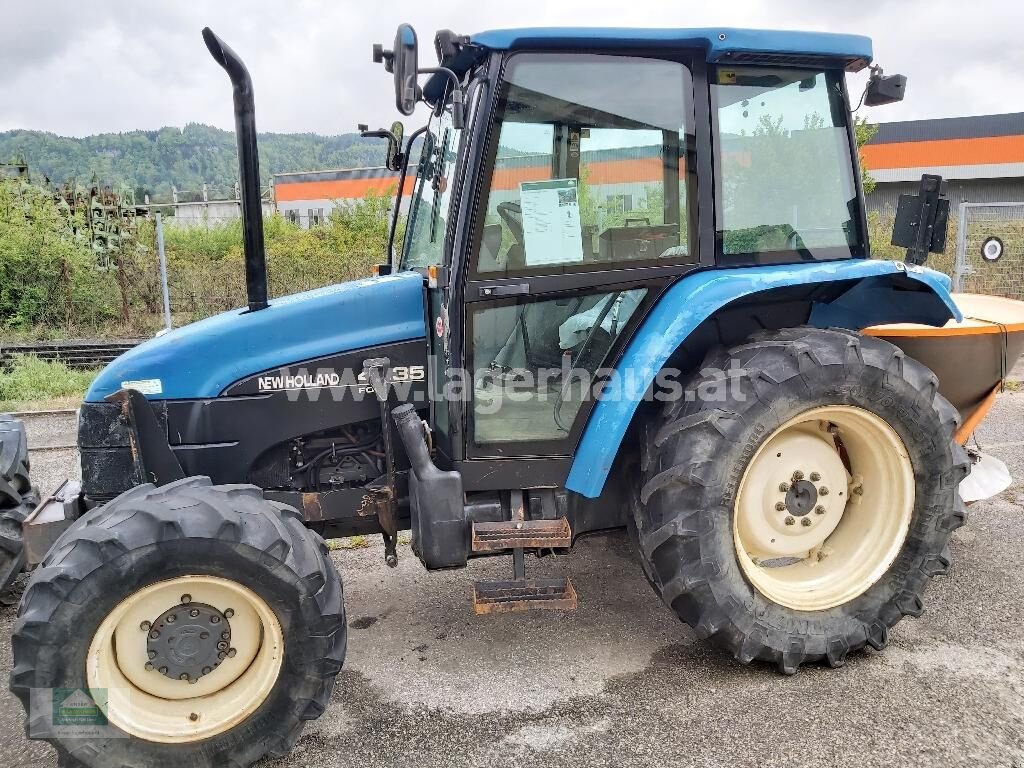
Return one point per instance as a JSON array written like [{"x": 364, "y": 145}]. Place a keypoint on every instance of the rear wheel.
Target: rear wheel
[
  {"x": 207, "y": 623},
  {"x": 17, "y": 499},
  {"x": 795, "y": 511}
]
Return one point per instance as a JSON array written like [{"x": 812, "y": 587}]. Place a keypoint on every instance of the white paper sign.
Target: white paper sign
[
  {"x": 551, "y": 222},
  {"x": 145, "y": 386}
]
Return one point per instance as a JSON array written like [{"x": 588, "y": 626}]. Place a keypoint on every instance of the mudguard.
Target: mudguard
[{"x": 870, "y": 300}]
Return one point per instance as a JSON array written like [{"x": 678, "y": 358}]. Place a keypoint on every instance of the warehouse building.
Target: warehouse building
[
  {"x": 307, "y": 197},
  {"x": 981, "y": 158}
]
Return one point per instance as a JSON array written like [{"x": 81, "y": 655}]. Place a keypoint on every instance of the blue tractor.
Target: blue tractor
[{"x": 634, "y": 271}]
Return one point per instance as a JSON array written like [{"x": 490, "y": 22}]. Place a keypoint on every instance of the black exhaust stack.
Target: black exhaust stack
[{"x": 248, "y": 169}]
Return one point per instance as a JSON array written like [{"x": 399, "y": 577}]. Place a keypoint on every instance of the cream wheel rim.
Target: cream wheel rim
[
  {"x": 823, "y": 508},
  {"x": 146, "y": 703}
]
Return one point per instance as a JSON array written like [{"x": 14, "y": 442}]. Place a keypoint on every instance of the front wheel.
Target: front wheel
[
  {"x": 17, "y": 500},
  {"x": 204, "y": 622},
  {"x": 795, "y": 510}
]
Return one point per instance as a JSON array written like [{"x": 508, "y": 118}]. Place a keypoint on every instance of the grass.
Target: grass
[
  {"x": 29, "y": 383},
  {"x": 359, "y": 542},
  {"x": 349, "y": 542}
]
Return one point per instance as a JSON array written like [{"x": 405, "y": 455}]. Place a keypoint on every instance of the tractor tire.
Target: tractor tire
[
  {"x": 17, "y": 500},
  {"x": 123, "y": 607},
  {"x": 795, "y": 509}
]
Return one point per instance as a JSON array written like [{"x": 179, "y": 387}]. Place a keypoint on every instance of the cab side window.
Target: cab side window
[{"x": 588, "y": 171}]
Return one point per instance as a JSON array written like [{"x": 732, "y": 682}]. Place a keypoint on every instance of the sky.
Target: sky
[{"x": 78, "y": 68}]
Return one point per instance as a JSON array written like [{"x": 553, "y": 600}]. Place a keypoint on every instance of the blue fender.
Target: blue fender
[{"x": 871, "y": 299}]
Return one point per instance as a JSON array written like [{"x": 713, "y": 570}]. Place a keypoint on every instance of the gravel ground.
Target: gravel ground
[{"x": 621, "y": 682}]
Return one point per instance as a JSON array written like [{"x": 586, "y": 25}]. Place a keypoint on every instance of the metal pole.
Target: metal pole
[
  {"x": 960, "y": 265},
  {"x": 163, "y": 270}
]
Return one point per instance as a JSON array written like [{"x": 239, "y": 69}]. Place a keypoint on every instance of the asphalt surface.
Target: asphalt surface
[{"x": 621, "y": 682}]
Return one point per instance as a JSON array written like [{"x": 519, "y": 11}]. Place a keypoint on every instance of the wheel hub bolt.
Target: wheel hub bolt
[
  {"x": 215, "y": 619},
  {"x": 798, "y": 475},
  {"x": 222, "y": 655},
  {"x": 783, "y": 487},
  {"x": 228, "y": 613},
  {"x": 149, "y": 666},
  {"x": 172, "y": 618},
  {"x": 155, "y": 634},
  {"x": 186, "y": 599},
  {"x": 819, "y": 510},
  {"x": 225, "y": 635},
  {"x": 790, "y": 520},
  {"x": 815, "y": 476},
  {"x": 805, "y": 521},
  {"x": 183, "y": 676},
  {"x": 222, "y": 645},
  {"x": 823, "y": 491},
  {"x": 163, "y": 670},
  {"x": 780, "y": 507},
  {"x": 151, "y": 654},
  {"x": 144, "y": 626},
  {"x": 231, "y": 653},
  {"x": 194, "y": 613},
  {"x": 206, "y": 670}
]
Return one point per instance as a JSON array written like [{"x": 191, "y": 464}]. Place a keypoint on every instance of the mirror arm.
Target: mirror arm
[{"x": 458, "y": 113}]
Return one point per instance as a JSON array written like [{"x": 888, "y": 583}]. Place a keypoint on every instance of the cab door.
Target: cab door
[{"x": 587, "y": 212}]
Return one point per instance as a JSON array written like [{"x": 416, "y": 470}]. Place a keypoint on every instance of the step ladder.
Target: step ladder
[{"x": 517, "y": 535}]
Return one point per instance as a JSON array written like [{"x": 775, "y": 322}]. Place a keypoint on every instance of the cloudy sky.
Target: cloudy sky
[{"x": 76, "y": 68}]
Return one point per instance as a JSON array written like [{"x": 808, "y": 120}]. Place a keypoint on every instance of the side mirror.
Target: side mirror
[
  {"x": 885, "y": 89},
  {"x": 394, "y": 158},
  {"x": 403, "y": 61}
]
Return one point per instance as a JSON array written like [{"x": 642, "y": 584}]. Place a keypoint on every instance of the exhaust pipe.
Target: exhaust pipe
[{"x": 248, "y": 169}]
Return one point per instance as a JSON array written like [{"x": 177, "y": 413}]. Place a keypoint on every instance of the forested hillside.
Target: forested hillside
[{"x": 151, "y": 161}]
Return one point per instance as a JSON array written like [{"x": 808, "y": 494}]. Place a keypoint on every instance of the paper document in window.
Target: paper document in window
[{"x": 551, "y": 222}]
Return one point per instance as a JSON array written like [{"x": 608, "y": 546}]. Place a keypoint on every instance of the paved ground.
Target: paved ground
[{"x": 621, "y": 682}]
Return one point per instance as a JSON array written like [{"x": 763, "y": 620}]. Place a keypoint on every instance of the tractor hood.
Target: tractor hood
[{"x": 202, "y": 359}]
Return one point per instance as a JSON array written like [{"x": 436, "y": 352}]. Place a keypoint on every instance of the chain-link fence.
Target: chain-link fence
[{"x": 990, "y": 249}]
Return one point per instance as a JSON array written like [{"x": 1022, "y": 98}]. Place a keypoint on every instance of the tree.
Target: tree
[{"x": 864, "y": 132}]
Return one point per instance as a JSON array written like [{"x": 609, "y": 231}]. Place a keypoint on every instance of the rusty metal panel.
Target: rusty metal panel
[
  {"x": 49, "y": 520},
  {"x": 525, "y": 534},
  {"x": 523, "y": 595}
]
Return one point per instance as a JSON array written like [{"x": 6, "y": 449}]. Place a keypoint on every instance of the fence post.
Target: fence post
[
  {"x": 960, "y": 264},
  {"x": 163, "y": 270}
]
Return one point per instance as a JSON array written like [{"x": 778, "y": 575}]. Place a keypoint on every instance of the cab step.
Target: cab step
[
  {"x": 522, "y": 534},
  {"x": 523, "y": 595}
]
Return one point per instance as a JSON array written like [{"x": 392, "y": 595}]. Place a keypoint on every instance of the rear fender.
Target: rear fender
[{"x": 872, "y": 292}]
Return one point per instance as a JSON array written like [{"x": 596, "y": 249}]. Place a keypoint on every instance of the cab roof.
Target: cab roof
[{"x": 722, "y": 44}]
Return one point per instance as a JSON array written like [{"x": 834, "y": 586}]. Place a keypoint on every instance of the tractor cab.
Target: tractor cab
[{"x": 568, "y": 178}]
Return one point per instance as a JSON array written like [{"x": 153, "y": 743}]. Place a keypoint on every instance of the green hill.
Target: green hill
[{"x": 152, "y": 161}]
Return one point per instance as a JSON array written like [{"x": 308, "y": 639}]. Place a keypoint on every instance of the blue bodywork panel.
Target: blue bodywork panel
[
  {"x": 854, "y": 50},
  {"x": 695, "y": 298},
  {"x": 200, "y": 360}
]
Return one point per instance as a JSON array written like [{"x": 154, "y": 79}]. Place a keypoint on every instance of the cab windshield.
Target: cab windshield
[{"x": 428, "y": 213}]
